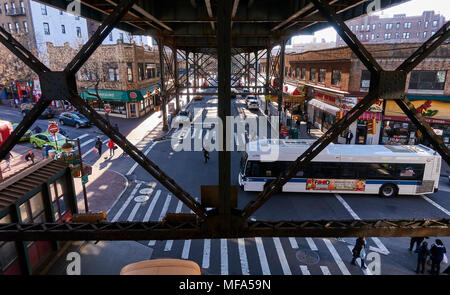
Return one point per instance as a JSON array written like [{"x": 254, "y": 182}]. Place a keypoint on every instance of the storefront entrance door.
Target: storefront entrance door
[
  {"x": 132, "y": 110},
  {"x": 361, "y": 134}
]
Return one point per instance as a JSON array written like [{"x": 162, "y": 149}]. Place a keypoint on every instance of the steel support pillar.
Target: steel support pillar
[
  {"x": 266, "y": 90},
  {"x": 256, "y": 71},
  {"x": 224, "y": 110},
  {"x": 187, "y": 76},
  {"x": 176, "y": 81},
  {"x": 281, "y": 81},
  {"x": 163, "y": 93}
]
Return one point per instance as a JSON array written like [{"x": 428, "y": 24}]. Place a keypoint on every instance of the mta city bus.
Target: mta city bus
[{"x": 387, "y": 170}]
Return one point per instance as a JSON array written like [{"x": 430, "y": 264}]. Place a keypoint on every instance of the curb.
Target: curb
[{"x": 127, "y": 185}]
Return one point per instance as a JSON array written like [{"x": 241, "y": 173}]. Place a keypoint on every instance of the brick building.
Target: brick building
[
  {"x": 399, "y": 28},
  {"x": 339, "y": 80},
  {"x": 126, "y": 76}
]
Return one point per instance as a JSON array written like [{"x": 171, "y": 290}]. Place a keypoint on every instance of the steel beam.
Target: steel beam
[
  {"x": 281, "y": 82},
  {"x": 142, "y": 231},
  {"x": 177, "y": 83},
  {"x": 162, "y": 93}
]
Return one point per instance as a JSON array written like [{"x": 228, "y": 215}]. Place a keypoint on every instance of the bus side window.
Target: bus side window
[{"x": 409, "y": 171}]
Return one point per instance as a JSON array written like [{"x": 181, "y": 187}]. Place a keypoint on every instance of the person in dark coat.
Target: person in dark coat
[
  {"x": 348, "y": 137},
  {"x": 437, "y": 255},
  {"x": 422, "y": 253},
  {"x": 37, "y": 129},
  {"x": 415, "y": 240},
  {"x": 98, "y": 146},
  {"x": 360, "y": 244},
  {"x": 30, "y": 156},
  {"x": 308, "y": 126},
  {"x": 205, "y": 155}
]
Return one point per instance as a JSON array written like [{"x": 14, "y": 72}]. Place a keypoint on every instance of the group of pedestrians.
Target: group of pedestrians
[
  {"x": 99, "y": 145},
  {"x": 436, "y": 254}
]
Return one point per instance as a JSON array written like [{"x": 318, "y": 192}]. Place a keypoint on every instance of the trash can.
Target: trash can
[{"x": 294, "y": 133}]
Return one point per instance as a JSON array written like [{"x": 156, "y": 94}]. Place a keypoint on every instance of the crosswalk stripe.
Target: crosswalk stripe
[
  {"x": 133, "y": 212},
  {"x": 304, "y": 270},
  {"x": 152, "y": 206},
  {"x": 136, "y": 164},
  {"x": 82, "y": 136},
  {"x": 243, "y": 257},
  {"x": 358, "y": 261},
  {"x": 282, "y": 257},
  {"x": 161, "y": 216},
  {"x": 125, "y": 204},
  {"x": 336, "y": 257},
  {"x": 169, "y": 243},
  {"x": 262, "y": 256},
  {"x": 311, "y": 244},
  {"x": 186, "y": 248},
  {"x": 87, "y": 142},
  {"x": 206, "y": 253},
  {"x": 325, "y": 270},
  {"x": 293, "y": 242},
  {"x": 223, "y": 257}
]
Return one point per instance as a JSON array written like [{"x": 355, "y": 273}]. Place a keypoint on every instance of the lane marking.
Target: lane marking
[
  {"x": 436, "y": 205},
  {"x": 366, "y": 271},
  {"x": 325, "y": 270},
  {"x": 223, "y": 257},
  {"x": 282, "y": 257},
  {"x": 136, "y": 164},
  {"x": 161, "y": 216},
  {"x": 206, "y": 253},
  {"x": 133, "y": 212},
  {"x": 262, "y": 256},
  {"x": 125, "y": 204},
  {"x": 82, "y": 136},
  {"x": 304, "y": 270},
  {"x": 381, "y": 248},
  {"x": 169, "y": 243},
  {"x": 311, "y": 244},
  {"x": 293, "y": 242},
  {"x": 336, "y": 257},
  {"x": 186, "y": 249},
  {"x": 152, "y": 206},
  {"x": 243, "y": 257}
]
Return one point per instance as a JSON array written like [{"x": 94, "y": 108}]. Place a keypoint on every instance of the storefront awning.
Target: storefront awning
[{"x": 324, "y": 106}]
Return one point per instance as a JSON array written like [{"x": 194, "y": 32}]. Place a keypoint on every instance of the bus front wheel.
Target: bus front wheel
[{"x": 388, "y": 190}]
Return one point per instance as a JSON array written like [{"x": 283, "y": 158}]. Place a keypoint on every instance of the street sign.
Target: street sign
[
  {"x": 53, "y": 128},
  {"x": 107, "y": 108},
  {"x": 84, "y": 179}
]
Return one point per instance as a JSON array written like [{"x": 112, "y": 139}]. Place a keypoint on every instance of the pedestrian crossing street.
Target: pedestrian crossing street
[
  {"x": 149, "y": 201},
  {"x": 87, "y": 144}
]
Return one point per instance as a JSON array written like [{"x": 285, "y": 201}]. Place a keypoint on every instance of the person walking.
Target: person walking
[
  {"x": 308, "y": 126},
  {"x": 37, "y": 129},
  {"x": 111, "y": 147},
  {"x": 98, "y": 146},
  {"x": 30, "y": 156},
  {"x": 422, "y": 253},
  {"x": 8, "y": 160},
  {"x": 44, "y": 151},
  {"x": 415, "y": 240},
  {"x": 359, "y": 251},
  {"x": 205, "y": 155},
  {"x": 437, "y": 253},
  {"x": 348, "y": 137}
]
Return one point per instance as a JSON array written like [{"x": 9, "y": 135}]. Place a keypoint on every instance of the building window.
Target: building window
[
  {"x": 378, "y": 36},
  {"x": 336, "y": 78},
  {"x": 0, "y": 9},
  {"x": 396, "y": 35},
  {"x": 312, "y": 75},
  {"x": 148, "y": 71},
  {"x": 368, "y": 28},
  {"x": 407, "y": 25},
  {"x": 58, "y": 191},
  {"x": 351, "y": 28},
  {"x": 387, "y": 36},
  {"x": 303, "y": 74},
  {"x": 22, "y": 7},
  {"x": 427, "y": 80},
  {"x": 426, "y": 24},
  {"x": 110, "y": 36},
  {"x": 373, "y": 27},
  {"x": 397, "y": 25},
  {"x": 10, "y": 28},
  {"x": 17, "y": 27},
  {"x": 373, "y": 36},
  {"x": 6, "y": 8},
  {"x": 367, "y": 36},
  {"x": 25, "y": 27},
  {"x": 360, "y": 36},
  {"x": 322, "y": 73},
  {"x": 78, "y": 32},
  {"x": 46, "y": 29},
  {"x": 63, "y": 29},
  {"x": 130, "y": 72},
  {"x": 379, "y": 25},
  {"x": 356, "y": 28},
  {"x": 388, "y": 26},
  {"x": 121, "y": 36},
  {"x": 405, "y": 35},
  {"x": 297, "y": 73},
  {"x": 365, "y": 79},
  {"x": 8, "y": 250},
  {"x": 432, "y": 33},
  {"x": 435, "y": 23},
  {"x": 44, "y": 10},
  {"x": 424, "y": 35},
  {"x": 141, "y": 71},
  {"x": 113, "y": 74}
]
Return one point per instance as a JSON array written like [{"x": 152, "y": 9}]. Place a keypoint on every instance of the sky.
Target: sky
[{"x": 410, "y": 8}]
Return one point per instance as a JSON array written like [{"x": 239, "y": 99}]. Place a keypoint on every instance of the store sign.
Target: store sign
[
  {"x": 439, "y": 132},
  {"x": 430, "y": 109},
  {"x": 314, "y": 184}
]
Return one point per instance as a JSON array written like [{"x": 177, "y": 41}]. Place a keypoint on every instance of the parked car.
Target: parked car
[
  {"x": 74, "y": 119},
  {"x": 26, "y": 136},
  {"x": 252, "y": 103},
  {"x": 39, "y": 139},
  {"x": 184, "y": 116},
  {"x": 48, "y": 113}
]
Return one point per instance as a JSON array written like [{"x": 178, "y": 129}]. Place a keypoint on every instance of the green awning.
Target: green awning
[
  {"x": 445, "y": 98},
  {"x": 150, "y": 88},
  {"x": 114, "y": 95}
]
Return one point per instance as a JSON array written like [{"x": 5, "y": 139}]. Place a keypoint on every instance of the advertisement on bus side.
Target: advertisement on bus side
[{"x": 314, "y": 184}]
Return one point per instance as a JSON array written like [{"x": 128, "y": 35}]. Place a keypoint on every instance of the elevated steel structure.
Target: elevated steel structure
[{"x": 219, "y": 29}]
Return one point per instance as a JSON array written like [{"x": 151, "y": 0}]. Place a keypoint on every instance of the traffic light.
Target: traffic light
[
  {"x": 339, "y": 115},
  {"x": 148, "y": 93},
  {"x": 371, "y": 126}
]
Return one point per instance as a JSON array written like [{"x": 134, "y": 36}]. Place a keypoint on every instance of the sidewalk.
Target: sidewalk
[{"x": 17, "y": 162}]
